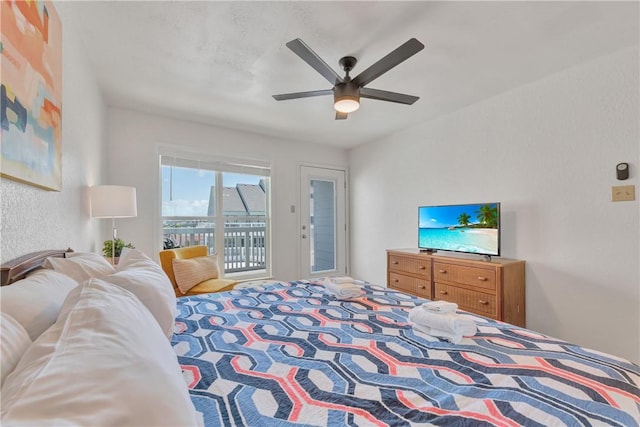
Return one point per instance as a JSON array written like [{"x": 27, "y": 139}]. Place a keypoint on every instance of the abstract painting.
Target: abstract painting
[{"x": 31, "y": 93}]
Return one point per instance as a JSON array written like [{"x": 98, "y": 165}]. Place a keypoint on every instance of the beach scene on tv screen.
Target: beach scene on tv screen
[{"x": 461, "y": 228}]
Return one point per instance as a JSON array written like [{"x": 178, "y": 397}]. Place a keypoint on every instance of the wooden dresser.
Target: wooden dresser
[{"x": 494, "y": 289}]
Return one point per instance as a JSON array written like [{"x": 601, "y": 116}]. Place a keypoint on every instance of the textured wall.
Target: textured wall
[
  {"x": 548, "y": 152},
  {"x": 33, "y": 219}
]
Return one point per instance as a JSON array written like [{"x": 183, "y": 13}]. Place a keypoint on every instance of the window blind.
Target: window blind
[{"x": 225, "y": 165}]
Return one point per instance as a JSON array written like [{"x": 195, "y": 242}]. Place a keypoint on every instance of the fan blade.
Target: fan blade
[
  {"x": 310, "y": 57},
  {"x": 296, "y": 95},
  {"x": 341, "y": 116},
  {"x": 404, "y": 52},
  {"x": 383, "y": 95}
]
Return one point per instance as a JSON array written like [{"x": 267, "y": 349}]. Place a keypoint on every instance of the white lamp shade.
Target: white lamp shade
[{"x": 113, "y": 201}]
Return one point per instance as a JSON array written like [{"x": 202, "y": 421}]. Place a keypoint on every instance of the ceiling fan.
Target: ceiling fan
[{"x": 347, "y": 91}]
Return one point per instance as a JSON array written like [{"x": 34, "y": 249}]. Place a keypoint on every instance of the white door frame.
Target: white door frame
[{"x": 339, "y": 177}]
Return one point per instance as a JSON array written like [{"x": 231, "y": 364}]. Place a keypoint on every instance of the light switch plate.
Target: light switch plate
[{"x": 623, "y": 193}]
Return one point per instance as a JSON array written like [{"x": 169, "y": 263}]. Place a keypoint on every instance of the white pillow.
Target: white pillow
[
  {"x": 14, "y": 341},
  {"x": 104, "y": 362},
  {"x": 189, "y": 272},
  {"x": 35, "y": 301},
  {"x": 80, "y": 266},
  {"x": 146, "y": 280}
]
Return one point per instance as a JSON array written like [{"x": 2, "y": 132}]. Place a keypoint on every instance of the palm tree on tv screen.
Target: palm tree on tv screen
[
  {"x": 463, "y": 219},
  {"x": 488, "y": 216}
]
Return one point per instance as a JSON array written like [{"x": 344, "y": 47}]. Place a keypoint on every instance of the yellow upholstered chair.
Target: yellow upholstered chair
[{"x": 212, "y": 285}]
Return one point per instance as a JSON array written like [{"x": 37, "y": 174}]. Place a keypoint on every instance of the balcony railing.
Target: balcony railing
[{"x": 244, "y": 243}]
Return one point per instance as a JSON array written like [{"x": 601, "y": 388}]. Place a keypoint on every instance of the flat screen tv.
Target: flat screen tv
[{"x": 470, "y": 228}]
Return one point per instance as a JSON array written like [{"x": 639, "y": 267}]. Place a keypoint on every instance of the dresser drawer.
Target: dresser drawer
[
  {"x": 423, "y": 288},
  {"x": 420, "y": 267},
  {"x": 475, "y": 302},
  {"x": 420, "y": 287},
  {"x": 484, "y": 278}
]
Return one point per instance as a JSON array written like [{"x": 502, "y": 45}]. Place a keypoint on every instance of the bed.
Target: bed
[{"x": 291, "y": 354}]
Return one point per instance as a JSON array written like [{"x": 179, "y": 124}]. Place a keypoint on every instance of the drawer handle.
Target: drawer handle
[
  {"x": 442, "y": 271},
  {"x": 482, "y": 278},
  {"x": 395, "y": 263},
  {"x": 483, "y": 302},
  {"x": 443, "y": 292},
  {"x": 421, "y": 267},
  {"x": 423, "y": 287},
  {"x": 395, "y": 280}
]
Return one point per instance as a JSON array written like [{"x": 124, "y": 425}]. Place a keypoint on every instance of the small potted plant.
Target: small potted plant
[{"x": 108, "y": 249}]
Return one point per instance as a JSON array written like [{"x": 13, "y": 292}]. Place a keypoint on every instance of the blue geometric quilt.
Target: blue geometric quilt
[{"x": 290, "y": 354}]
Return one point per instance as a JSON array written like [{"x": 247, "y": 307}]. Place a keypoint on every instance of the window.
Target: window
[{"x": 221, "y": 204}]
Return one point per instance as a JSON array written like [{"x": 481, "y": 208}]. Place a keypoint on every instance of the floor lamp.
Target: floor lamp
[{"x": 113, "y": 201}]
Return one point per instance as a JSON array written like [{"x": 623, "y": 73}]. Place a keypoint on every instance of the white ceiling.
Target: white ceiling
[{"x": 219, "y": 62}]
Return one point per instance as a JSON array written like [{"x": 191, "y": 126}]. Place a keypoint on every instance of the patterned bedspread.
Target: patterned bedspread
[{"x": 289, "y": 354}]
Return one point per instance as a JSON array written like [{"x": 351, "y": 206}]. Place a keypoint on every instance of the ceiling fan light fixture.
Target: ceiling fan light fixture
[
  {"x": 346, "y": 97},
  {"x": 346, "y": 104}
]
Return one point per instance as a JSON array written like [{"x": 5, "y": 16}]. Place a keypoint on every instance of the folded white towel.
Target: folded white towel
[
  {"x": 440, "y": 306},
  {"x": 454, "y": 338},
  {"x": 446, "y": 322},
  {"x": 341, "y": 279},
  {"x": 342, "y": 290}
]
